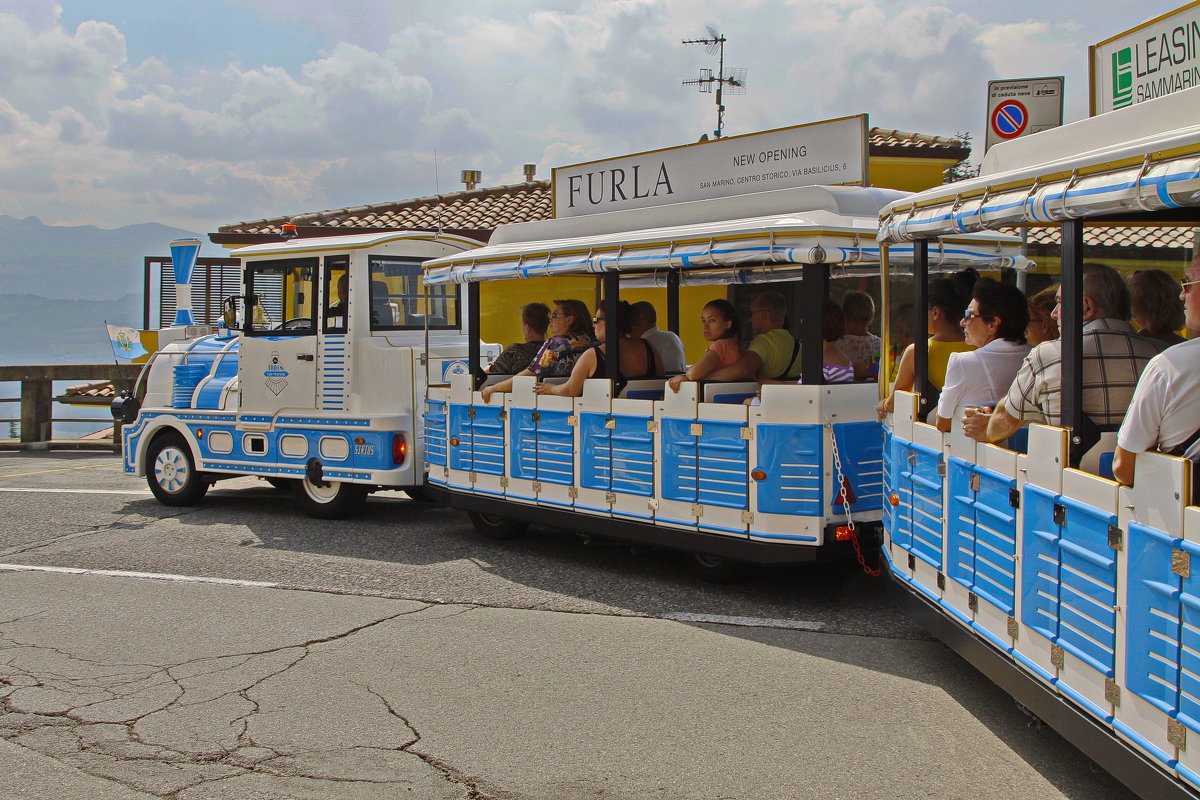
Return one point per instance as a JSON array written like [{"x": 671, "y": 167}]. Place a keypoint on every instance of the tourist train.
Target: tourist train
[{"x": 1073, "y": 593}]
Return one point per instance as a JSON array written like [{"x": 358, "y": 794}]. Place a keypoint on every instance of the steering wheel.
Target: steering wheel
[{"x": 296, "y": 324}]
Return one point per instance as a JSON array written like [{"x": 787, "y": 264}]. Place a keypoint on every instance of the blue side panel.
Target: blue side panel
[
  {"x": 995, "y": 540},
  {"x": 1153, "y": 626},
  {"x": 722, "y": 458},
  {"x": 595, "y": 452},
  {"x": 982, "y": 533},
  {"x": 633, "y": 456},
  {"x": 522, "y": 444},
  {"x": 460, "y": 431},
  {"x": 209, "y": 394},
  {"x": 901, "y": 470},
  {"x": 1189, "y": 650},
  {"x": 960, "y": 524},
  {"x": 487, "y": 440},
  {"x": 790, "y": 456},
  {"x": 861, "y": 448},
  {"x": 1089, "y": 586},
  {"x": 555, "y": 448},
  {"x": 927, "y": 539},
  {"x": 1040, "y": 564},
  {"x": 678, "y": 460},
  {"x": 436, "y": 432}
]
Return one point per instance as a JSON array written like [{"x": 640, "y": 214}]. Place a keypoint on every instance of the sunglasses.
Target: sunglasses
[
  {"x": 597, "y": 319},
  {"x": 969, "y": 315},
  {"x": 557, "y": 315},
  {"x": 1187, "y": 284}
]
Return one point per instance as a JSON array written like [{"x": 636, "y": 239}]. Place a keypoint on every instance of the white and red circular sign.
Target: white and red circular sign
[{"x": 1010, "y": 119}]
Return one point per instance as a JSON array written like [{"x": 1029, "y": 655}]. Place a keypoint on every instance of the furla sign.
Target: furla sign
[{"x": 833, "y": 152}]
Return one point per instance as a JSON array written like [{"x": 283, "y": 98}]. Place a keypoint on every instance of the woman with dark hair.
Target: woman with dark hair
[
  {"x": 572, "y": 335},
  {"x": 1157, "y": 309},
  {"x": 947, "y": 297},
  {"x": 720, "y": 325},
  {"x": 535, "y": 319},
  {"x": 637, "y": 359},
  {"x": 836, "y": 365},
  {"x": 994, "y": 323}
]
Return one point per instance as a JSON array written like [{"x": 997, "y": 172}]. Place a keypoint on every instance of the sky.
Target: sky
[{"x": 198, "y": 114}]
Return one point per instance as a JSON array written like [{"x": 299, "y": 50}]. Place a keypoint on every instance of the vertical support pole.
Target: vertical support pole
[
  {"x": 815, "y": 288},
  {"x": 36, "y": 399},
  {"x": 473, "y": 332},
  {"x": 612, "y": 346},
  {"x": 673, "y": 301},
  {"x": 885, "y": 328},
  {"x": 1071, "y": 326},
  {"x": 920, "y": 325}
]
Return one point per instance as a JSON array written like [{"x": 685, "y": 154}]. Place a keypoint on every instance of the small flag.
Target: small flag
[{"x": 126, "y": 342}]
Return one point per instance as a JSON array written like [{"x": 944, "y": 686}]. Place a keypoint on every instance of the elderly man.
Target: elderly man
[
  {"x": 1165, "y": 412},
  {"x": 1114, "y": 355},
  {"x": 667, "y": 347},
  {"x": 773, "y": 354}
]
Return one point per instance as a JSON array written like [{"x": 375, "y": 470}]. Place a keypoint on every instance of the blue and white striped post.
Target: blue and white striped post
[{"x": 183, "y": 258}]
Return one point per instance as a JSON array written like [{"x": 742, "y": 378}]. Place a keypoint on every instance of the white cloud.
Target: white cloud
[{"x": 88, "y": 137}]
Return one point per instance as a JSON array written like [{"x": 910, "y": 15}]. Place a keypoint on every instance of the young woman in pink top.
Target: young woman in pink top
[{"x": 720, "y": 324}]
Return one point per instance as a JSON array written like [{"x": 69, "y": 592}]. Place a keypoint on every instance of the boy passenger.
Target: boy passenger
[
  {"x": 668, "y": 347},
  {"x": 773, "y": 354}
]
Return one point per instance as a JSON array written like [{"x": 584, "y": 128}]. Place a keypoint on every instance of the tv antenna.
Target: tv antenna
[{"x": 733, "y": 83}]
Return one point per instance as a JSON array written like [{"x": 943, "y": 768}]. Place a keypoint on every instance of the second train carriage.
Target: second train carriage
[
  {"x": 789, "y": 480},
  {"x": 1075, "y": 594}
]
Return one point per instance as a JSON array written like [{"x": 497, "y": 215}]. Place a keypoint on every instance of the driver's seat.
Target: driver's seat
[{"x": 381, "y": 307}]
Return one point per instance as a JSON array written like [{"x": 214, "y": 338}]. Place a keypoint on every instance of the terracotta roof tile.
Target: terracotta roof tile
[
  {"x": 521, "y": 202},
  {"x": 1112, "y": 236}
]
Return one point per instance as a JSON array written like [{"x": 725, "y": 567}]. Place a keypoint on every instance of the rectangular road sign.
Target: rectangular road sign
[{"x": 1021, "y": 107}]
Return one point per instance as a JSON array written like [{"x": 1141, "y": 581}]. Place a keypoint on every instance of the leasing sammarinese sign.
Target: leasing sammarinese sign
[
  {"x": 833, "y": 152},
  {"x": 1155, "y": 58}
]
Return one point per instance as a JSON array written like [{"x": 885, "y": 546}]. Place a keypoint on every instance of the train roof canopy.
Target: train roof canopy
[
  {"x": 356, "y": 241},
  {"x": 747, "y": 238},
  {"x": 1144, "y": 158}
]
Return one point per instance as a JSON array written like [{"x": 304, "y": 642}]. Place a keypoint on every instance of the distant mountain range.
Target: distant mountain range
[{"x": 81, "y": 262}]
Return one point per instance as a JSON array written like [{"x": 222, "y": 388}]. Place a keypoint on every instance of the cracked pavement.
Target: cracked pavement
[{"x": 401, "y": 655}]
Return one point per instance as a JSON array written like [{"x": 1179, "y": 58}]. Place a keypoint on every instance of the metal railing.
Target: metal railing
[{"x": 38, "y": 400}]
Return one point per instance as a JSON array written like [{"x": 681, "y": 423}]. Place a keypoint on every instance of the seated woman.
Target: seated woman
[
  {"x": 572, "y": 335},
  {"x": 1157, "y": 309},
  {"x": 946, "y": 297},
  {"x": 535, "y": 319},
  {"x": 994, "y": 323},
  {"x": 720, "y": 326},
  {"x": 637, "y": 359},
  {"x": 1042, "y": 326}
]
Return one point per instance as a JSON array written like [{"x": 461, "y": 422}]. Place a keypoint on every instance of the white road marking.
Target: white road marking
[
  {"x": 152, "y": 576},
  {"x": 746, "y": 622},
  {"x": 140, "y": 493}
]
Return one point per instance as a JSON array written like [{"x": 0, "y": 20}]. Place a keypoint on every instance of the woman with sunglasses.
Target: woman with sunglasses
[
  {"x": 637, "y": 359},
  {"x": 571, "y": 335},
  {"x": 994, "y": 323}
]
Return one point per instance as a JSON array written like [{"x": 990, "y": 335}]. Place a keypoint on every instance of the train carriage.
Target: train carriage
[
  {"x": 789, "y": 480},
  {"x": 1073, "y": 593}
]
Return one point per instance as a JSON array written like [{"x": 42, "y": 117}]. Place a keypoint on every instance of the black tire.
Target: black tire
[
  {"x": 334, "y": 500},
  {"x": 715, "y": 569},
  {"x": 282, "y": 484},
  {"x": 497, "y": 528},
  {"x": 171, "y": 471}
]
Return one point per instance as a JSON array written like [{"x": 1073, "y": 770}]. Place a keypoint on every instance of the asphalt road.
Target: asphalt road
[{"x": 538, "y": 668}]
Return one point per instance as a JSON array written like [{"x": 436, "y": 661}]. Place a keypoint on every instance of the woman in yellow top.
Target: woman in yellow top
[{"x": 948, "y": 297}]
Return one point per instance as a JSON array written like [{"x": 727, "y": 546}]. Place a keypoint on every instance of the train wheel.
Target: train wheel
[
  {"x": 715, "y": 569},
  {"x": 172, "y": 473},
  {"x": 333, "y": 500},
  {"x": 497, "y": 528}
]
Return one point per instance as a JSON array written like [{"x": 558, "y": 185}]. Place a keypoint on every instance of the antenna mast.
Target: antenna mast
[{"x": 734, "y": 82}]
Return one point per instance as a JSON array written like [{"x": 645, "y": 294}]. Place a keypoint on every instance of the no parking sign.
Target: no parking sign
[{"x": 1020, "y": 107}]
